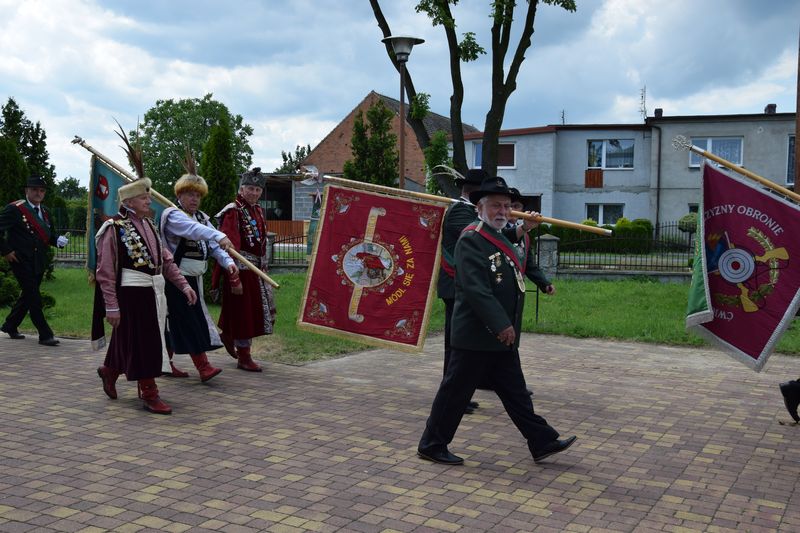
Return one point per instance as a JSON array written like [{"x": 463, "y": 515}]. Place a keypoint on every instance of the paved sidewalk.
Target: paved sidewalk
[{"x": 669, "y": 439}]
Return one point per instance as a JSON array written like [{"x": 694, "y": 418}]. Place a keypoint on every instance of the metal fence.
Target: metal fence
[
  {"x": 286, "y": 251},
  {"x": 668, "y": 249}
]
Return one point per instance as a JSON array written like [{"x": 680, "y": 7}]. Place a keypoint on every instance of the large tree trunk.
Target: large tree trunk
[
  {"x": 502, "y": 89},
  {"x": 423, "y": 139}
]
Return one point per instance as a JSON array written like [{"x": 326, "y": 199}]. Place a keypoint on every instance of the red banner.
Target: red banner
[
  {"x": 746, "y": 286},
  {"x": 373, "y": 270}
]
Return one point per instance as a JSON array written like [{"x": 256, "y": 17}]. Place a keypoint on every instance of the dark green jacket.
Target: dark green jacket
[
  {"x": 487, "y": 298},
  {"x": 457, "y": 217},
  {"x": 27, "y": 237}
]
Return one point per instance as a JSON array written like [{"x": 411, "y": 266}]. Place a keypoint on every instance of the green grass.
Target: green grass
[{"x": 635, "y": 310}]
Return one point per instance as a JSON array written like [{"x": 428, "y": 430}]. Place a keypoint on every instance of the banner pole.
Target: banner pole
[
  {"x": 682, "y": 143},
  {"x": 441, "y": 199},
  {"x": 168, "y": 203}
]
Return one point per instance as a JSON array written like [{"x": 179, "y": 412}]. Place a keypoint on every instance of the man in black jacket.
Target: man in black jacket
[
  {"x": 486, "y": 323},
  {"x": 26, "y": 232}
]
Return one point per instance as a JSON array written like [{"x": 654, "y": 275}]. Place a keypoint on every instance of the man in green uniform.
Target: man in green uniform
[{"x": 487, "y": 319}]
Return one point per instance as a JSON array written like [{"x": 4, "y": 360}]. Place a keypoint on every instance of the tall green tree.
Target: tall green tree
[
  {"x": 13, "y": 172},
  {"x": 291, "y": 162},
  {"x": 436, "y": 153},
  {"x": 375, "y": 157},
  {"x": 31, "y": 141},
  {"x": 171, "y": 125},
  {"x": 501, "y": 15},
  {"x": 70, "y": 188},
  {"x": 218, "y": 168}
]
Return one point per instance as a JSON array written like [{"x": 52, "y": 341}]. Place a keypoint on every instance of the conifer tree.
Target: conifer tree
[
  {"x": 375, "y": 157},
  {"x": 217, "y": 167}
]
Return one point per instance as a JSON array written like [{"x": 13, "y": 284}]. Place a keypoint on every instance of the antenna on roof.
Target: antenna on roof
[
  {"x": 643, "y": 103},
  {"x": 563, "y": 117}
]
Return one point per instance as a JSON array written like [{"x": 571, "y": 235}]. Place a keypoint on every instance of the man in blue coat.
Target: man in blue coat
[{"x": 26, "y": 232}]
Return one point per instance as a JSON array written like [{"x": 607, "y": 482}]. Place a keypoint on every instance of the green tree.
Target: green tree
[
  {"x": 218, "y": 168},
  {"x": 466, "y": 50},
  {"x": 13, "y": 172},
  {"x": 70, "y": 189},
  {"x": 31, "y": 141},
  {"x": 437, "y": 153},
  {"x": 170, "y": 125},
  {"x": 291, "y": 162},
  {"x": 375, "y": 157}
]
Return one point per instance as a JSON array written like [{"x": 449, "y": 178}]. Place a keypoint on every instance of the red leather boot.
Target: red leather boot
[
  {"x": 245, "y": 361},
  {"x": 176, "y": 372},
  {"x": 148, "y": 391},
  {"x": 204, "y": 367},
  {"x": 109, "y": 378}
]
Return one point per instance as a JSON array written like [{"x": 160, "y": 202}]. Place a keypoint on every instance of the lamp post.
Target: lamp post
[{"x": 402, "y": 45}]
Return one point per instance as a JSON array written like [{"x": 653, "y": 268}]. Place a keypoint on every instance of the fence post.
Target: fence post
[
  {"x": 548, "y": 254},
  {"x": 270, "y": 246}
]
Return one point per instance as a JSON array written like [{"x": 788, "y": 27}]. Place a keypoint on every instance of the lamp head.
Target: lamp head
[{"x": 402, "y": 45}]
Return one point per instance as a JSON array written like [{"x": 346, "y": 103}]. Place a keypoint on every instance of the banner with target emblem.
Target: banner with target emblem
[
  {"x": 745, "y": 286},
  {"x": 373, "y": 268}
]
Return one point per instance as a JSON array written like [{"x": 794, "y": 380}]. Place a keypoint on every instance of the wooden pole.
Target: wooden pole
[
  {"x": 441, "y": 199},
  {"x": 736, "y": 168},
  {"x": 166, "y": 202}
]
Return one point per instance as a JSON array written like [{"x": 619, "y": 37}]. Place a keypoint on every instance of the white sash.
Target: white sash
[
  {"x": 136, "y": 278},
  {"x": 193, "y": 267}
]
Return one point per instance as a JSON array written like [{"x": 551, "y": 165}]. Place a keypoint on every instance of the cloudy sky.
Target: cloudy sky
[{"x": 294, "y": 69}]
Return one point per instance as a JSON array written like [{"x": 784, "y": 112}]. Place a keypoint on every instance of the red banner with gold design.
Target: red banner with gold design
[{"x": 373, "y": 269}]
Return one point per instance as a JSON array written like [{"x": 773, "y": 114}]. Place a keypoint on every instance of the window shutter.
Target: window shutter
[{"x": 593, "y": 178}]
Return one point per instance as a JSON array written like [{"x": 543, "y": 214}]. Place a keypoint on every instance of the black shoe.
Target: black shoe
[
  {"x": 530, "y": 392},
  {"x": 52, "y": 341},
  {"x": 791, "y": 398},
  {"x": 473, "y": 404},
  {"x": 552, "y": 448},
  {"x": 13, "y": 333},
  {"x": 443, "y": 458}
]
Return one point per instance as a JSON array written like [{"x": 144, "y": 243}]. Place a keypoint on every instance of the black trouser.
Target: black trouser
[
  {"x": 466, "y": 370},
  {"x": 449, "y": 304},
  {"x": 30, "y": 301}
]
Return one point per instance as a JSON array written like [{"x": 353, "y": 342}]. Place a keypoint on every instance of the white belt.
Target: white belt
[
  {"x": 136, "y": 278},
  {"x": 193, "y": 267}
]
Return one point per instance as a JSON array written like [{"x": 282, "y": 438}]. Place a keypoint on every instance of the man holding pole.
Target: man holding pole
[
  {"x": 131, "y": 267},
  {"x": 250, "y": 312},
  {"x": 486, "y": 324},
  {"x": 191, "y": 238}
]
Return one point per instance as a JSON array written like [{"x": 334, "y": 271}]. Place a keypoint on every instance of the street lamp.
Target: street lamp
[{"x": 402, "y": 45}]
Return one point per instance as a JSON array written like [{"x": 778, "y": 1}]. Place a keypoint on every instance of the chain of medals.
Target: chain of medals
[
  {"x": 134, "y": 244},
  {"x": 496, "y": 261},
  {"x": 251, "y": 232}
]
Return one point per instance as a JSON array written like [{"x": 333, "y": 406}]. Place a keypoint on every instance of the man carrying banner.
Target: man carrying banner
[
  {"x": 131, "y": 267},
  {"x": 191, "y": 238},
  {"x": 251, "y": 312},
  {"x": 486, "y": 323},
  {"x": 26, "y": 232}
]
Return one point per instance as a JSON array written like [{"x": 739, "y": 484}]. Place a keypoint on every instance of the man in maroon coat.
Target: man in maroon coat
[{"x": 248, "y": 306}]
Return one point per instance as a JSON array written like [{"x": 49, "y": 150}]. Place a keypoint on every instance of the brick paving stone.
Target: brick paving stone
[{"x": 670, "y": 439}]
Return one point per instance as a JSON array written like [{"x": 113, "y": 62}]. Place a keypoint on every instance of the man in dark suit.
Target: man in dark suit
[
  {"x": 26, "y": 232},
  {"x": 457, "y": 217},
  {"x": 486, "y": 322}
]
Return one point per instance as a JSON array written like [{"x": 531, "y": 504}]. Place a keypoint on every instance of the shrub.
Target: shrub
[{"x": 688, "y": 223}]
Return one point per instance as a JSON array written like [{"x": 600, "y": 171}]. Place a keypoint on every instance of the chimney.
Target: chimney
[
  {"x": 770, "y": 109},
  {"x": 659, "y": 112}
]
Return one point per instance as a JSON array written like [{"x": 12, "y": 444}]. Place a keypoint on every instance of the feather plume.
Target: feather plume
[
  {"x": 188, "y": 161},
  {"x": 449, "y": 171},
  {"x": 133, "y": 151}
]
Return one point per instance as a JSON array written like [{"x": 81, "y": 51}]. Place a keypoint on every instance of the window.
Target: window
[
  {"x": 611, "y": 153},
  {"x": 604, "y": 213},
  {"x": 791, "y": 162},
  {"x": 729, "y": 148},
  {"x": 693, "y": 208},
  {"x": 506, "y": 155}
]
